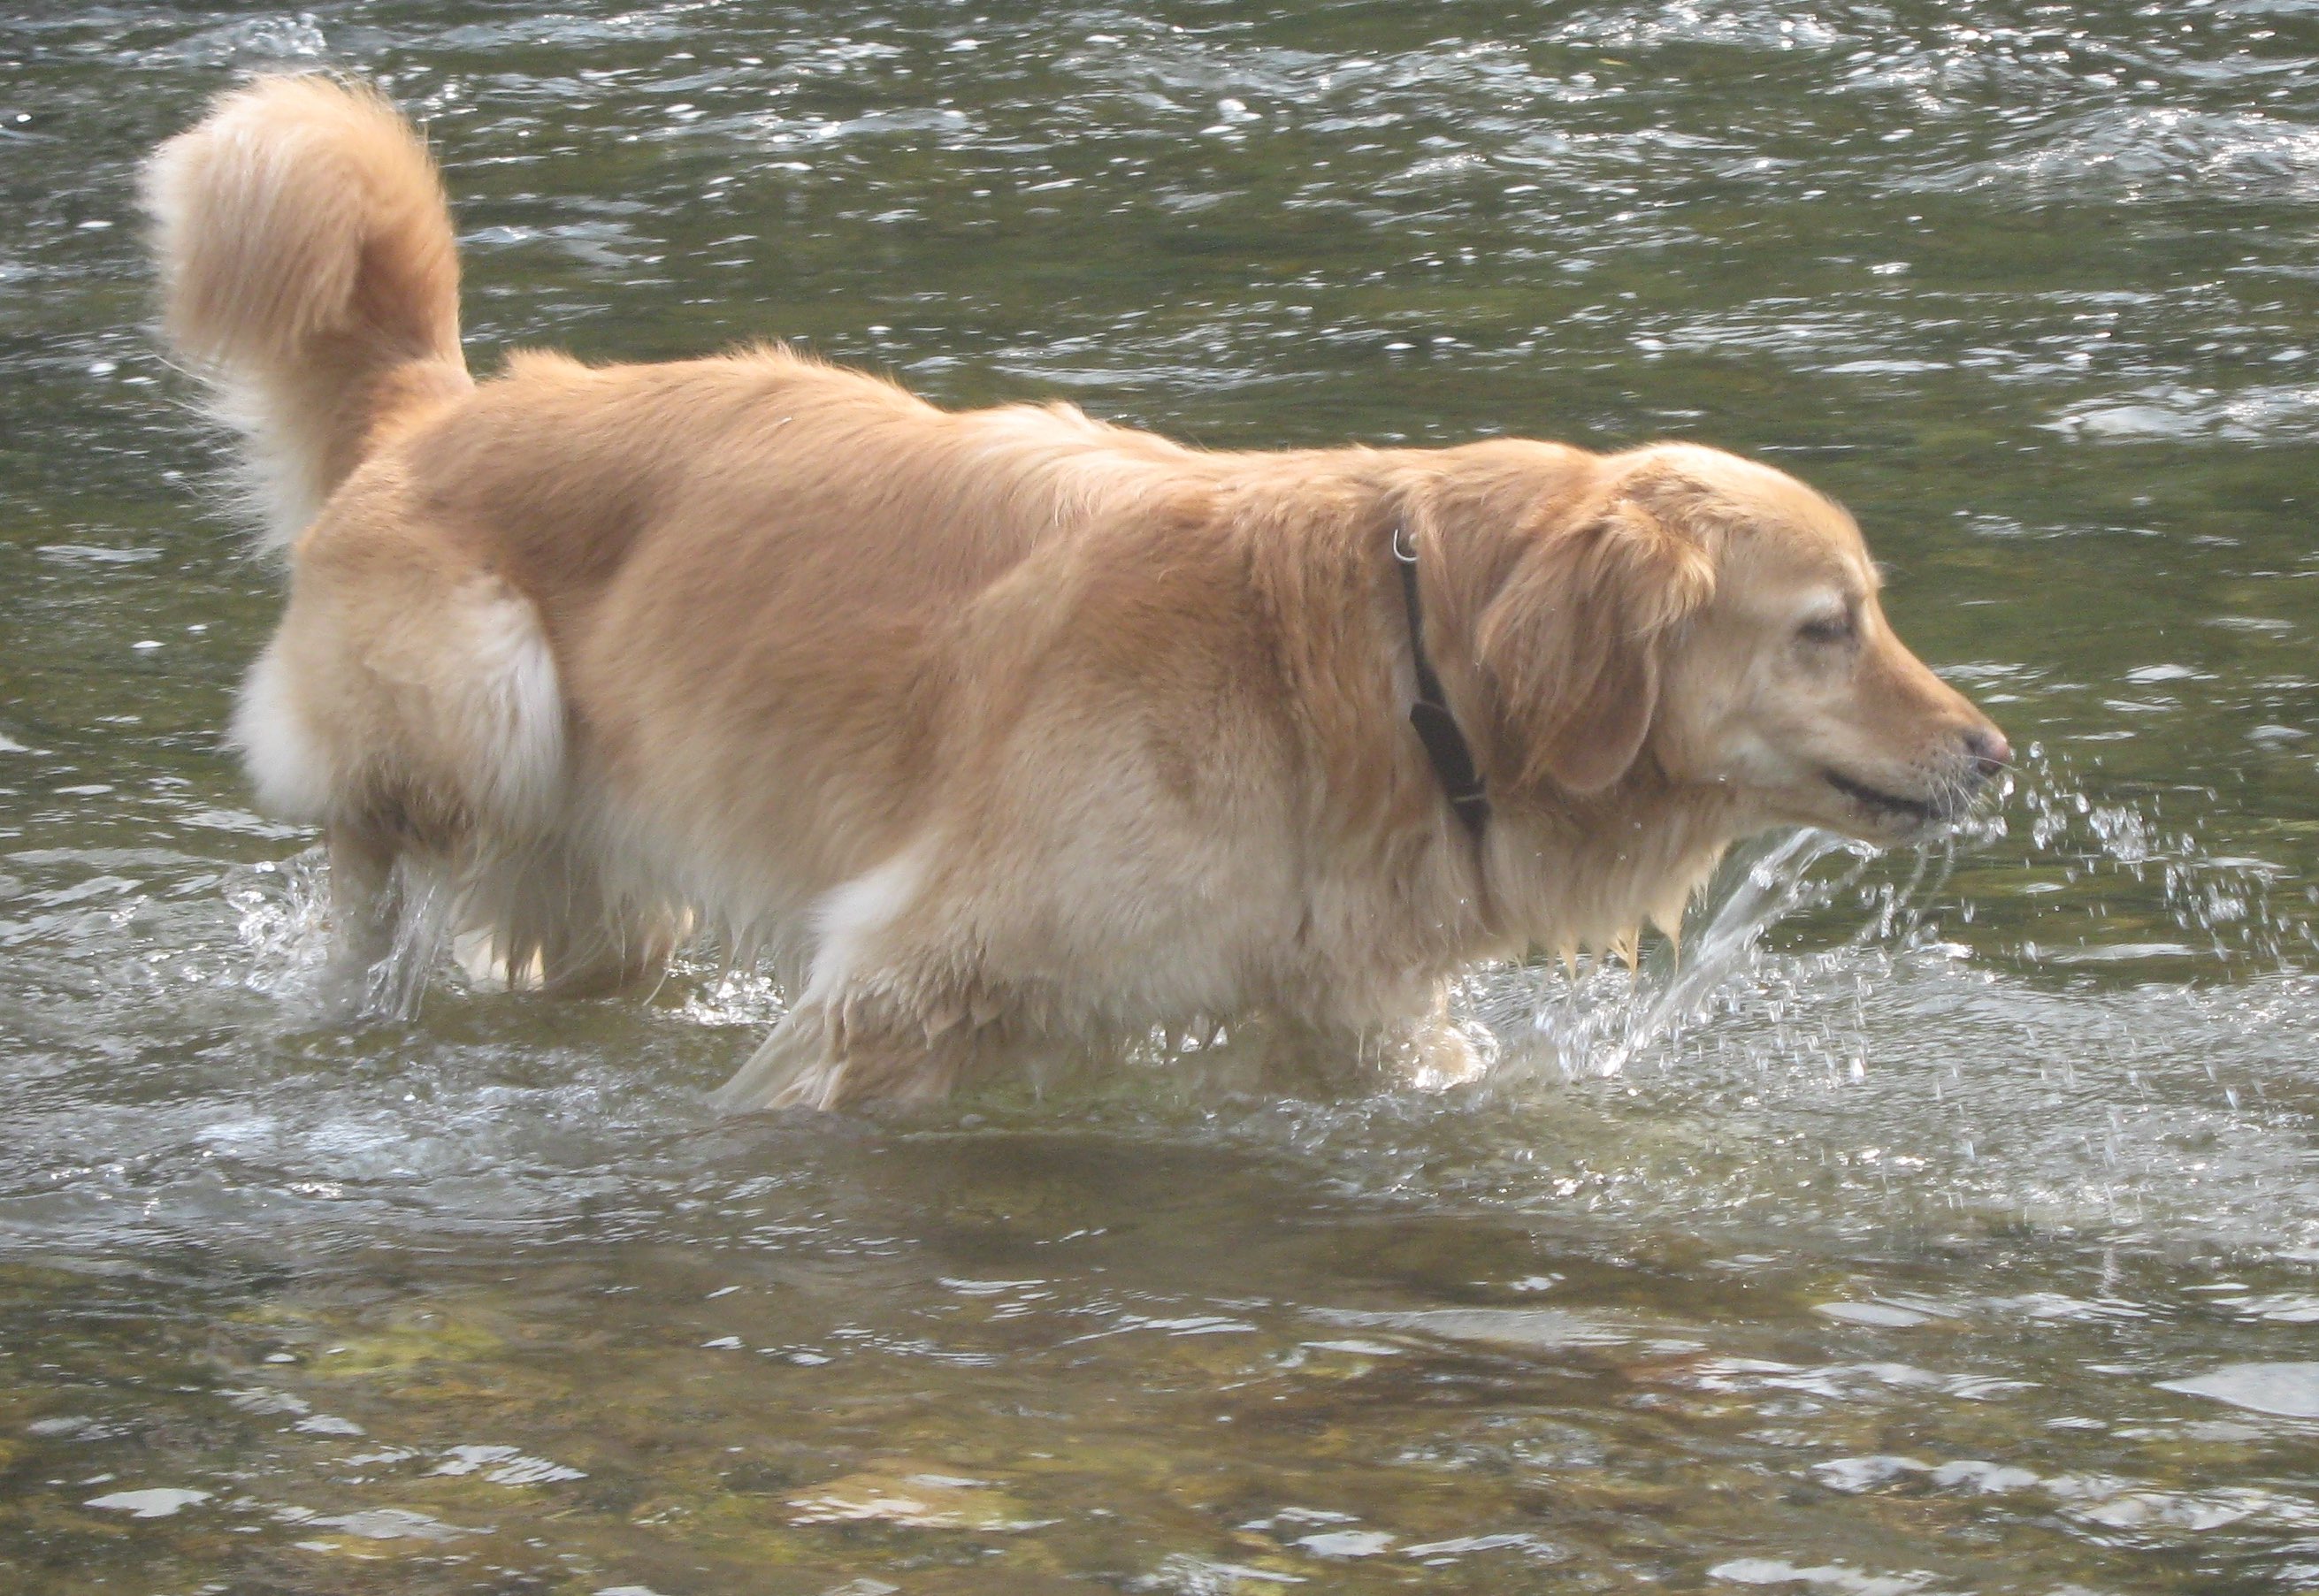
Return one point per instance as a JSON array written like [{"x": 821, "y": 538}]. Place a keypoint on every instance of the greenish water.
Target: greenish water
[{"x": 1957, "y": 1231}]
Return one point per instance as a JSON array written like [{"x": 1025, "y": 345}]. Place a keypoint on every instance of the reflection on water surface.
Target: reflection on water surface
[{"x": 1954, "y": 1231}]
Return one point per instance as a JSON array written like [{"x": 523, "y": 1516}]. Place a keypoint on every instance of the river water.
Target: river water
[{"x": 1939, "y": 1223}]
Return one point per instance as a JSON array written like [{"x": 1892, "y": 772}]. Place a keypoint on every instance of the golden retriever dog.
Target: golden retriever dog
[{"x": 994, "y": 730}]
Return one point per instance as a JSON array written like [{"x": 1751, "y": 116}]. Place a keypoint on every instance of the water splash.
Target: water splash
[
  {"x": 1598, "y": 1021},
  {"x": 283, "y": 923},
  {"x": 289, "y": 936},
  {"x": 2119, "y": 864}
]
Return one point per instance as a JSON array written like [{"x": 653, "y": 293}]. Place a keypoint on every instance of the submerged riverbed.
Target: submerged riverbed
[{"x": 1940, "y": 1222}]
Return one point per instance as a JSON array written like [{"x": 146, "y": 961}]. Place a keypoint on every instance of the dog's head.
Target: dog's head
[{"x": 1712, "y": 623}]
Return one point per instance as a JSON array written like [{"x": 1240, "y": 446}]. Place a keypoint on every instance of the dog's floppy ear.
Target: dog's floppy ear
[{"x": 1567, "y": 648}]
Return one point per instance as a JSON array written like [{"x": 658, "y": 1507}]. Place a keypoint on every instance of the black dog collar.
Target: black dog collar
[{"x": 1452, "y": 757}]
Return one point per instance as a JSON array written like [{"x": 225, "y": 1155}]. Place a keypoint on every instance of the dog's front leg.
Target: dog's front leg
[
  {"x": 1439, "y": 1052},
  {"x": 812, "y": 1061},
  {"x": 795, "y": 1066},
  {"x": 1328, "y": 1054}
]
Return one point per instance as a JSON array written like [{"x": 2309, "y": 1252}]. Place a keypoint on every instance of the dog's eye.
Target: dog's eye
[{"x": 1826, "y": 629}]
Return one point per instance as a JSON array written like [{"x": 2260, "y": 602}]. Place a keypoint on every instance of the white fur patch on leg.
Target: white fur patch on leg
[
  {"x": 800, "y": 1064},
  {"x": 287, "y": 762},
  {"x": 510, "y": 712},
  {"x": 850, "y": 913}
]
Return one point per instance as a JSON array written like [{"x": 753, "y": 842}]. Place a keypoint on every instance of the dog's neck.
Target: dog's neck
[
  {"x": 1590, "y": 874},
  {"x": 1550, "y": 869}
]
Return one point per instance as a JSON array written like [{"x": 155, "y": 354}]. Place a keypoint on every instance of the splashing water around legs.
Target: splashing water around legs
[{"x": 1927, "y": 1233}]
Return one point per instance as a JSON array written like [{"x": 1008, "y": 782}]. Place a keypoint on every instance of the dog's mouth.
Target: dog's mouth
[{"x": 1913, "y": 814}]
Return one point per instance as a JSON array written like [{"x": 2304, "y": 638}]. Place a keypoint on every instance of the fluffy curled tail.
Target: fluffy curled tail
[{"x": 309, "y": 275}]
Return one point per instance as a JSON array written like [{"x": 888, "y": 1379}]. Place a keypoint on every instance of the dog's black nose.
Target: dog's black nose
[{"x": 1990, "y": 750}]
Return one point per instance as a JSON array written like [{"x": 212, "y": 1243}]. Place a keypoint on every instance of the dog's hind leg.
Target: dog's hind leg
[
  {"x": 364, "y": 910},
  {"x": 543, "y": 918},
  {"x": 388, "y": 911},
  {"x": 408, "y": 705},
  {"x": 297, "y": 761}
]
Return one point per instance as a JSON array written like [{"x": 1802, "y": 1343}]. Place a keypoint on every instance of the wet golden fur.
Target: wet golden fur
[{"x": 987, "y": 728}]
